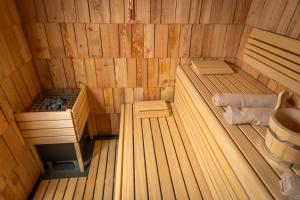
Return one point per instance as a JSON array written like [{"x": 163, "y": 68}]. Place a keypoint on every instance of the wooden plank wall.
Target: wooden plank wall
[
  {"x": 19, "y": 86},
  {"x": 277, "y": 16},
  {"x": 92, "y": 42}
]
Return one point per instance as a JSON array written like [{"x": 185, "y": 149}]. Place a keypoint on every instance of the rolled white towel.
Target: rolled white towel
[
  {"x": 245, "y": 100},
  {"x": 290, "y": 185},
  {"x": 256, "y": 116}
]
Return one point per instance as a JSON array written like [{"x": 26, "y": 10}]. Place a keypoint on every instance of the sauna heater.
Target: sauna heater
[{"x": 55, "y": 125}]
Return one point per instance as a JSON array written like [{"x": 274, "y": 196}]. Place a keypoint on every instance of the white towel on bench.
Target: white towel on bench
[
  {"x": 290, "y": 185},
  {"x": 245, "y": 100},
  {"x": 256, "y": 116}
]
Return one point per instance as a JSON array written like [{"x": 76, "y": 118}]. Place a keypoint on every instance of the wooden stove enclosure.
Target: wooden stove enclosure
[{"x": 55, "y": 127}]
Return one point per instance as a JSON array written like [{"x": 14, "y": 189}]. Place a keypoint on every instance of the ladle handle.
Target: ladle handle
[{"x": 281, "y": 100}]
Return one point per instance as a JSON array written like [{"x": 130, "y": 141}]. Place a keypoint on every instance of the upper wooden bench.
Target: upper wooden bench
[{"x": 232, "y": 148}]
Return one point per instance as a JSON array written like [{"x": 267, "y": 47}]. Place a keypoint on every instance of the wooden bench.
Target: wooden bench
[
  {"x": 156, "y": 160},
  {"x": 230, "y": 159},
  {"x": 241, "y": 146},
  {"x": 194, "y": 152}
]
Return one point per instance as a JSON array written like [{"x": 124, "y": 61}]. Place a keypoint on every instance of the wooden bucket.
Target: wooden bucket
[{"x": 282, "y": 140}]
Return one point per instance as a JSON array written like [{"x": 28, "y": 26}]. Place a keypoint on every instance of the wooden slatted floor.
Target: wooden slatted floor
[
  {"x": 98, "y": 185},
  {"x": 158, "y": 161}
]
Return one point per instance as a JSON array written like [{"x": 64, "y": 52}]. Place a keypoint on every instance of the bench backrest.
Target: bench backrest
[{"x": 275, "y": 56}]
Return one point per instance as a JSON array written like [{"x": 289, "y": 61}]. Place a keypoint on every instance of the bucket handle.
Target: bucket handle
[{"x": 282, "y": 99}]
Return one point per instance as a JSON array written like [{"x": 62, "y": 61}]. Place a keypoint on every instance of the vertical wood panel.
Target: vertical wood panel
[
  {"x": 141, "y": 72},
  {"x": 196, "y": 40},
  {"x": 164, "y": 71},
  {"x": 81, "y": 40},
  {"x": 54, "y": 10},
  {"x": 149, "y": 41},
  {"x": 131, "y": 72},
  {"x": 37, "y": 40},
  {"x": 21, "y": 88},
  {"x": 241, "y": 11},
  {"x": 11, "y": 93},
  {"x": 129, "y": 95},
  {"x": 44, "y": 73},
  {"x": 96, "y": 100},
  {"x": 195, "y": 11},
  {"x": 138, "y": 94},
  {"x": 266, "y": 13},
  {"x": 173, "y": 40},
  {"x": 69, "y": 71},
  {"x": 119, "y": 99},
  {"x": 287, "y": 15},
  {"x": 216, "y": 11},
  {"x": 173, "y": 69},
  {"x": 168, "y": 12},
  {"x": 166, "y": 93},
  {"x": 31, "y": 80},
  {"x": 217, "y": 46},
  {"x": 183, "y": 11},
  {"x": 125, "y": 40},
  {"x": 255, "y": 11},
  {"x": 82, "y": 10},
  {"x": 153, "y": 72},
  {"x": 57, "y": 73},
  {"x": 161, "y": 40},
  {"x": 137, "y": 40},
  {"x": 117, "y": 11},
  {"x": 94, "y": 40},
  {"x": 185, "y": 40},
  {"x": 105, "y": 72},
  {"x": 69, "y": 40},
  {"x": 156, "y": 10},
  {"x": 80, "y": 72},
  {"x": 151, "y": 94},
  {"x": 108, "y": 100},
  {"x": 110, "y": 45},
  {"x": 121, "y": 72},
  {"x": 103, "y": 124},
  {"x": 40, "y": 10},
  {"x": 227, "y": 12},
  {"x": 90, "y": 73},
  {"x": 99, "y": 11},
  {"x": 69, "y": 10},
  {"x": 143, "y": 11},
  {"x": 208, "y": 35},
  {"x": 26, "y": 10},
  {"x": 55, "y": 40},
  {"x": 206, "y": 11},
  {"x": 294, "y": 26}
]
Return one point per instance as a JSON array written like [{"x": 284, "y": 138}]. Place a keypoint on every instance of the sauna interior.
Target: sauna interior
[{"x": 149, "y": 99}]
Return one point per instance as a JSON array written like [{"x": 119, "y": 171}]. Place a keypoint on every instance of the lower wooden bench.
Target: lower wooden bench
[{"x": 156, "y": 161}]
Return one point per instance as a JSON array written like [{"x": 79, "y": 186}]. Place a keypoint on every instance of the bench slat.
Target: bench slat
[
  {"x": 178, "y": 182},
  {"x": 152, "y": 173},
  {"x": 127, "y": 175},
  {"x": 141, "y": 191},
  {"x": 161, "y": 160}
]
